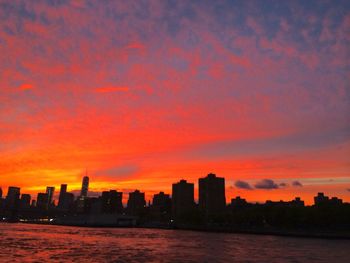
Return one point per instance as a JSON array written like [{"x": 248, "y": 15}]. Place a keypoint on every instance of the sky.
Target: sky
[{"x": 142, "y": 94}]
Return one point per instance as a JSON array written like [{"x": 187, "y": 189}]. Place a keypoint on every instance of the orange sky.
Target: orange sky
[{"x": 143, "y": 96}]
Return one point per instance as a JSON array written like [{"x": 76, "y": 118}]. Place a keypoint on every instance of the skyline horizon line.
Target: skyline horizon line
[{"x": 92, "y": 193}]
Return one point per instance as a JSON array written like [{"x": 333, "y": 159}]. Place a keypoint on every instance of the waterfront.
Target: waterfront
[{"x": 44, "y": 243}]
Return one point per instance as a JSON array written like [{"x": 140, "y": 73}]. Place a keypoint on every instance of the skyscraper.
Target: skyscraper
[
  {"x": 42, "y": 201},
  {"x": 63, "y": 191},
  {"x": 50, "y": 190},
  {"x": 212, "y": 199},
  {"x": 12, "y": 198},
  {"x": 111, "y": 202},
  {"x": 321, "y": 199},
  {"x": 0, "y": 192},
  {"x": 182, "y": 199},
  {"x": 85, "y": 186},
  {"x": 136, "y": 202},
  {"x": 67, "y": 201},
  {"x": 161, "y": 203},
  {"x": 25, "y": 200}
]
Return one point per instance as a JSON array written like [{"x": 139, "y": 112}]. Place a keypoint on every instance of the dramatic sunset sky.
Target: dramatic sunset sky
[{"x": 145, "y": 93}]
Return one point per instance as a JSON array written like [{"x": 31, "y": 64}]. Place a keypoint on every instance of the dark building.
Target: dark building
[
  {"x": 42, "y": 201},
  {"x": 12, "y": 198},
  {"x": 162, "y": 202},
  {"x": 50, "y": 190},
  {"x": 111, "y": 202},
  {"x": 182, "y": 199},
  {"x": 0, "y": 192},
  {"x": 238, "y": 202},
  {"x": 160, "y": 211},
  {"x": 297, "y": 202},
  {"x": 67, "y": 201},
  {"x": 85, "y": 187},
  {"x": 321, "y": 199},
  {"x": 136, "y": 203},
  {"x": 335, "y": 201},
  {"x": 63, "y": 191},
  {"x": 212, "y": 199},
  {"x": 25, "y": 200},
  {"x": 81, "y": 204},
  {"x": 33, "y": 203}
]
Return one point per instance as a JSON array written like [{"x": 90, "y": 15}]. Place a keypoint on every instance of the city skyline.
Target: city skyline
[
  {"x": 211, "y": 183},
  {"x": 143, "y": 94},
  {"x": 178, "y": 210}
]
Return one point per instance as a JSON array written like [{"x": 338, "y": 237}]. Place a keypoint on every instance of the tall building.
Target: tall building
[
  {"x": 238, "y": 202},
  {"x": 50, "y": 190},
  {"x": 321, "y": 199},
  {"x": 297, "y": 202},
  {"x": 111, "y": 202},
  {"x": 182, "y": 199},
  {"x": 136, "y": 202},
  {"x": 25, "y": 200},
  {"x": 42, "y": 201},
  {"x": 63, "y": 191},
  {"x": 85, "y": 186},
  {"x": 161, "y": 202},
  {"x": 67, "y": 201},
  {"x": 335, "y": 201},
  {"x": 212, "y": 199},
  {"x": 0, "y": 192},
  {"x": 12, "y": 198}
]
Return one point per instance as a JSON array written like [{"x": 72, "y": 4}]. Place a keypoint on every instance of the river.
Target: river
[{"x": 47, "y": 243}]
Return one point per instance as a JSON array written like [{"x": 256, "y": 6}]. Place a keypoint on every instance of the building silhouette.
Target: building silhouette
[
  {"x": 62, "y": 196},
  {"x": 65, "y": 199},
  {"x": 0, "y": 192},
  {"x": 335, "y": 201},
  {"x": 25, "y": 200},
  {"x": 182, "y": 200},
  {"x": 50, "y": 190},
  {"x": 238, "y": 202},
  {"x": 111, "y": 202},
  {"x": 321, "y": 199},
  {"x": 85, "y": 187},
  {"x": 297, "y": 202},
  {"x": 136, "y": 203},
  {"x": 12, "y": 198},
  {"x": 161, "y": 202},
  {"x": 42, "y": 201},
  {"x": 212, "y": 199},
  {"x": 81, "y": 204}
]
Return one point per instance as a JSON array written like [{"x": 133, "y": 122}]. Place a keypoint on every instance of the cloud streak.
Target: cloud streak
[
  {"x": 243, "y": 185},
  {"x": 297, "y": 184},
  {"x": 266, "y": 184}
]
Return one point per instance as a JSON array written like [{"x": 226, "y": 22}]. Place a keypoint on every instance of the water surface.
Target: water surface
[{"x": 41, "y": 243}]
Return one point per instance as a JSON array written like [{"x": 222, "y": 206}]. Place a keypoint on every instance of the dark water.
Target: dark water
[{"x": 39, "y": 243}]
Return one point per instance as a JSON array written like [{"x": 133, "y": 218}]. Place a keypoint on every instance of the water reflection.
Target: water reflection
[{"x": 27, "y": 243}]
